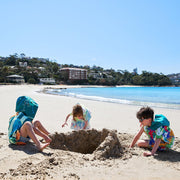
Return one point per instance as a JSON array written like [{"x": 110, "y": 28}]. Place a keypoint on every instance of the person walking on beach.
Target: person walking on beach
[
  {"x": 22, "y": 127},
  {"x": 80, "y": 118},
  {"x": 157, "y": 128}
]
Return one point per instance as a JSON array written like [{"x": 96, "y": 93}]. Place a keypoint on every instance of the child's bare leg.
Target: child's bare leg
[
  {"x": 27, "y": 130},
  {"x": 41, "y": 131},
  {"x": 38, "y": 125},
  {"x": 143, "y": 143}
]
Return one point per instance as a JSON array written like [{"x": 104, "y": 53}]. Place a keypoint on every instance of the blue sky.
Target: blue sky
[{"x": 118, "y": 34}]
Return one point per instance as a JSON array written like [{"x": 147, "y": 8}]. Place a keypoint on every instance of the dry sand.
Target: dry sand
[{"x": 99, "y": 153}]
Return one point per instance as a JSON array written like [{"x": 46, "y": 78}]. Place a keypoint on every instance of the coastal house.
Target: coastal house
[
  {"x": 175, "y": 78},
  {"x": 74, "y": 73},
  {"x": 15, "y": 78},
  {"x": 23, "y": 64},
  {"x": 47, "y": 81},
  {"x": 95, "y": 75}
]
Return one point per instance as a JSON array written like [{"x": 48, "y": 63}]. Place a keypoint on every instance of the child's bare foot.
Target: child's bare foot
[
  {"x": 47, "y": 139},
  {"x": 43, "y": 146}
]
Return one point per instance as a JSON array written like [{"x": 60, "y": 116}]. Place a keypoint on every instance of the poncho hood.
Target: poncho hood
[
  {"x": 27, "y": 106},
  {"x": 159, "y": 120}
]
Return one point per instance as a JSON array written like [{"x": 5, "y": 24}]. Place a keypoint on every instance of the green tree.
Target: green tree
[
  {"x": 136, "y": 80},
  {"x": 11, "y": 61},
  {"x": 31, "y": 81},
  {"x": 4, "y": 73}
]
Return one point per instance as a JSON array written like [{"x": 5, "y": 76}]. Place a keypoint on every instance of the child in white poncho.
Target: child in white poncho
[{"x": 80, "y": 118}]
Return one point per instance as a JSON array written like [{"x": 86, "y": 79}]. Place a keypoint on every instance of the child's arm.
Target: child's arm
[
  {"x": 86, "y": 123},
  {"x": 155, "y": 147},
  {"x": 65, "y": 123},
  {"x": 138, "y": 135}
]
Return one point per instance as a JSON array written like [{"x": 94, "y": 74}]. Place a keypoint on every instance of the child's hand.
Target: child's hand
[
  {"x": 147, "y": 154},
  {"x": 64, "y": 124}
]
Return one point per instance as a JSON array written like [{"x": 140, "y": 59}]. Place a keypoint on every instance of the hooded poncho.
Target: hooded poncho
[
  {"x": 26, "y": 109},
  {"x": 159, "y": 120}
]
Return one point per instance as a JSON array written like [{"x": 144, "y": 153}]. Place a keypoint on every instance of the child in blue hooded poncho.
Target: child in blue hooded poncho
[
  {"x": 22, "y": 127},
  {"x": 157, "y": 128}
]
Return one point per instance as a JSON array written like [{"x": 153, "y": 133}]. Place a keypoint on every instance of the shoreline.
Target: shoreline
[{"x": 49, "y": 90}]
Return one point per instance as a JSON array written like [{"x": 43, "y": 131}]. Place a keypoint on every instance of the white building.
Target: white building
[
  {"x": 95, "y": 75},
  {"x": 47, "y": 81},
  {"x": 23, "y": 64},
  {"x": 15, "y": 78}
]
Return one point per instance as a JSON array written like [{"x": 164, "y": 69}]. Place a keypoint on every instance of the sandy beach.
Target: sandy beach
[{"x": 113, "y": 126}]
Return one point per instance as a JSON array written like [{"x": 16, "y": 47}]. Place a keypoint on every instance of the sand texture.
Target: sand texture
[
  {"x": 101, "y": 153},
  {"x": 95, "y": 155}
]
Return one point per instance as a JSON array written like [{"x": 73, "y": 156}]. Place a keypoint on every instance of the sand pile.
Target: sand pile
[{"x": 102, "y": 144}]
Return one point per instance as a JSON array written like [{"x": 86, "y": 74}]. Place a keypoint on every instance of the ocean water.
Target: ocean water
[{"x": 165, "y": 97}]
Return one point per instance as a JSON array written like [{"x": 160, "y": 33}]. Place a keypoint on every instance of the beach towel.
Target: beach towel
[
  {"x": 26, "y": 109},
  {"x": 15, "y": 123}
]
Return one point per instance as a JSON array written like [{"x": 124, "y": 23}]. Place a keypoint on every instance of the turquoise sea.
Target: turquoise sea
[{"x": 165, "y": 97}]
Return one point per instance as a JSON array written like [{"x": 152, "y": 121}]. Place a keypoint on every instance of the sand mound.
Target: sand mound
[{"x": 102, "y": 144}]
